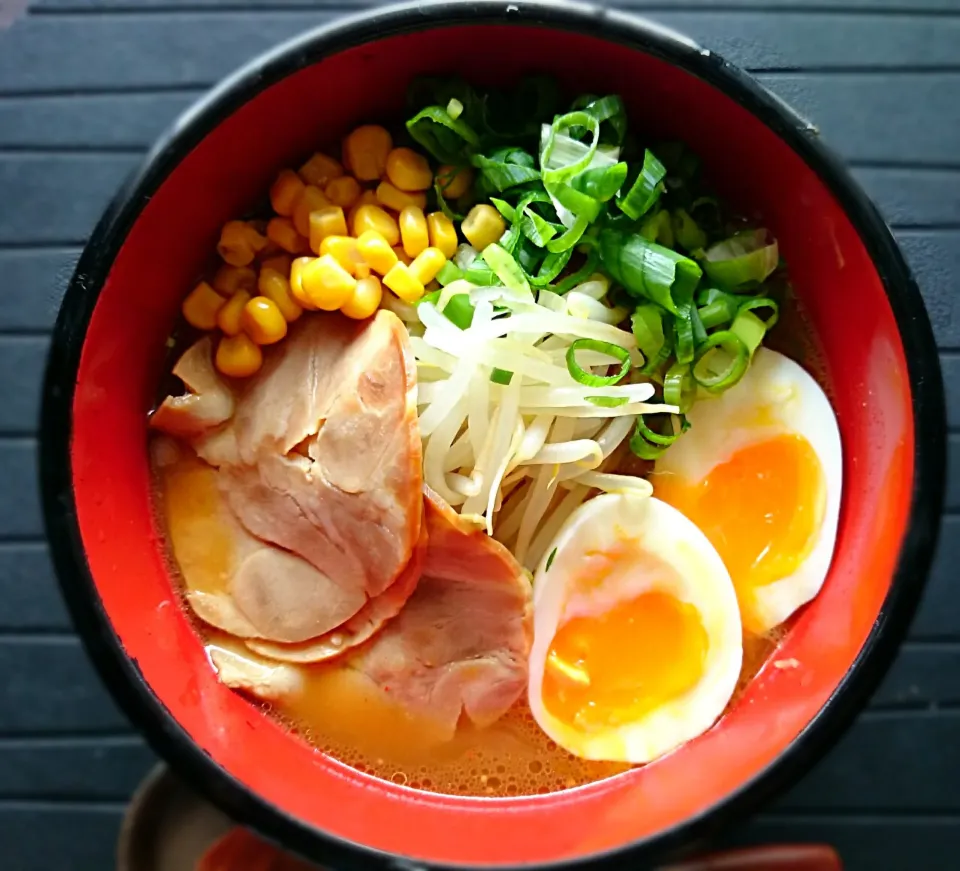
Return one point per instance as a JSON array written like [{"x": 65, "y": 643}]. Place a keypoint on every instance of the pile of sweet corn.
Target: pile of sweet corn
[{"x": 340, "y": 233}]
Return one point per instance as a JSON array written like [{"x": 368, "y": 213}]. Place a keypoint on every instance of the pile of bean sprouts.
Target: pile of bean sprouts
[{"x": 521, "y": 456}]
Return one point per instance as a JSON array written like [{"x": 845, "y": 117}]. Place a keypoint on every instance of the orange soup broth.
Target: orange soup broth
[{"x": 341, "y": 713}]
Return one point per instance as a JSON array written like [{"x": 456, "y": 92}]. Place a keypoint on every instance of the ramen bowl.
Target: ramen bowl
[{"x": 879, "y": 364}]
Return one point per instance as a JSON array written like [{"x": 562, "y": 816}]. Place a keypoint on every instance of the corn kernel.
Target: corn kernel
[
  {"x": 365, "y": 300},
  {"x": 227, "y": 280},
  {"x": 326, "y": 222},
  {"x": 228, "y": 318},
  {"x": 320, "y": 169},
  {"x": 344, "y": 250},
  {"x": 403, "y": 283},
  {"x": 408, "y": 170},
  {"x": 362, "y": 271},
  {"x": 443, "y": 234},
  {"x": 254, "y": 237},
  {"x": 365, "y": 151},
  {"x": 278, "y": 262},
  {"x": 311, "y": 200},
  {"x": 343, "y": 191},
  {"x": 402, "y": 255},
  {"x": 235, "y": 246},
  {"x": 375, "y": 218},
  {"x": 285, "y": 192},
  {"x": 483, "y": 226},
  {"x": 367, "y": 198},
  {"x": 327, "y": 283},
  {"x": 201, "y": 306},
  {"x": 296, "y": 282},
  {"x": 274, "y": 286},
  {"x": 282, "y": 231},
  {"x": 454, "y": 181},
  {"x": 238, "y": 356},
  {"x": 263, "y": 321},
  {"x": 413, "y": 230},
  {"x": 427, "y": 264},
  {"x": 376, "y": 251},
  {"x": 393, "y": 198}
]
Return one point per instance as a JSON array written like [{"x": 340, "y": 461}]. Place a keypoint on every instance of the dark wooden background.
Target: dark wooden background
[{"x": 86, "y": 85}]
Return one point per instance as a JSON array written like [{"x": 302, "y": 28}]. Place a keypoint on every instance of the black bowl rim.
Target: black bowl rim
[{"x": 122, "y": 675}]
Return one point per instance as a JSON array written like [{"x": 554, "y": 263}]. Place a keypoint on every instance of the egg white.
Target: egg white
[
  {"x": 671, "y": 555},
  {"x": 776, "y": 397}
]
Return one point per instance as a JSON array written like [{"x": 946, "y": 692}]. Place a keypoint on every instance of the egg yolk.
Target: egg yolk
[
  {"x": 612, "y": 669},
  {"x": 761, "y": 510}
]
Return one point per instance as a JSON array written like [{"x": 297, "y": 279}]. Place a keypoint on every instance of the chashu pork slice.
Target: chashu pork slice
[
  {"x": 235, "y": 582},
  {"x": 333, "y": 472},
  {"x": 206, "y": 405},
  {"x": 461, "y": 643}
]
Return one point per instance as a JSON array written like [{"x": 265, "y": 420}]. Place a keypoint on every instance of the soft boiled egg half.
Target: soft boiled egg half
[
  {"x": 759, "y": 472},
  {"x": 637, "y": 642}
]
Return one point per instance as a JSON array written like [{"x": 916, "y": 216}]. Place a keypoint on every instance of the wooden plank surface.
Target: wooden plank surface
[{"x": 85, "y": 87}]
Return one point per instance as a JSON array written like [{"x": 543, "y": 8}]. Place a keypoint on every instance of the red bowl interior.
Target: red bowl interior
[{"x": 121, "y": 361}]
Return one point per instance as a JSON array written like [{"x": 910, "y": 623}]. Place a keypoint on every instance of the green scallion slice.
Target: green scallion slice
[
  {"x": 721, "y": 361},
  {"x": 645, "y": 191},
  {"x": 679, "y": 387},
  {"x": 588, "y": 379}
]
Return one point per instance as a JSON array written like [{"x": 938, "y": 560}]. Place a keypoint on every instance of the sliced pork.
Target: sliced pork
[
  {"x": 342, "y": 491},
  {"x": 460, "y": 645},
  {"x": 233, "y": 580},
  {"x": 361, "y": 627},
  {"x": 320, "y": 465},
  {"x": 208, "y": 402}
]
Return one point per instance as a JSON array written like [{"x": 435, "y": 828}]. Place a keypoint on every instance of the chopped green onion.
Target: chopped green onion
[
  {"x": 648, "y": 270},
  {"x": 749, "y": 329},
  {"x": 553, "y": 264},
  {"x": 658, "y": 227},
  {"x": 569, "y": 238},
  {"x": 581, "y": 275},
  {"x": 649, "y": 445},
  {"x": 746, "y": 258},
  {"x": 458, "y": 310},
  {"x": 762, "y": 302},
  {"x": 588, "y": 379},
  {"x": 501, "y": 376},
  {"x": 687, "y": 232},
  {"x": 607, "y": 401},
  {"x": 646, "y": 189},
  {"x": 536, "y": 229},
  {"x": 507, "y": 270},
  {"x": 480, "y": 273},
  {"x": 721, "y": 361},
  {"x": 601, "y": 182},
  {"x": 454, "y": 108},
  {"x": 683, "y": 339},
  {"x": 679, "y": 387},
  {"x": 717, "y": 308},
  {"x": 506, "y": 168},
  {"x": 444, "y": 137},
  {"x": 609, "y": 108},
  {"x": 554, "y": 174},
  {"x": 550, "y": 559},
  {"x": 449, "y": 272},
  {"x": 647, "y": 324},
  {"x": 504, "y": 208}
]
